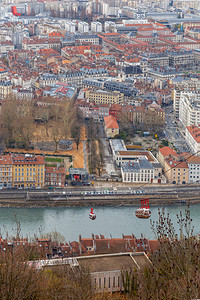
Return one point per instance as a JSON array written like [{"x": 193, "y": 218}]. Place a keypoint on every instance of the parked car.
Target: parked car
[
  {"x": 74, "y": 182},
  {"x": 87, "y": 183}
]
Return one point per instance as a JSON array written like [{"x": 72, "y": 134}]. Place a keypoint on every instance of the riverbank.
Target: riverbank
[{"x": 59, "y": 200}]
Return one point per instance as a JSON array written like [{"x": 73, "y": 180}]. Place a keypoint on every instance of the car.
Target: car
[
  {"x": 50, "y": 187},
  {"x": 74, "y": 182},
  {"x": 38, "y": 187},
  {"x": 87, "y": 183}
]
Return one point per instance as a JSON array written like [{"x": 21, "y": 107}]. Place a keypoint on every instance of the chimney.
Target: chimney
[
  {"x": 80, "y": 244},
  {"x": 93, "y": 242}
]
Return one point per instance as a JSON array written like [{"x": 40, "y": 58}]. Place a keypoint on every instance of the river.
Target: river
[{"x": 70, "y": 222}]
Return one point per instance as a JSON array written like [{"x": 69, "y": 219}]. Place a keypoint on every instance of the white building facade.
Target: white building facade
[
  {"x": 96, "y": 27},
  {"x": 83, "y": 27},
  {"x": 189, "y": 109},
  {"x": 139, "y": 171},
  {"x": 194, "y": 169},
  {"x": 192, "y": 138}
]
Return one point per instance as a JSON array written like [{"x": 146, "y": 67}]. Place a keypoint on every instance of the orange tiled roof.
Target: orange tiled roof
[
  {"x": 195, "y": 132},
  {"x": 111, "y": 122},
  {"x": 166, "y": 151}
]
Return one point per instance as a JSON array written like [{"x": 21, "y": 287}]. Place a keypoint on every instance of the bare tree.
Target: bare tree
[
  {"x": 9, "y": 121},
  {"x": 18, "y": 279},
  {"x": 25, "y": 123},
  {"x": 76, "y": 129},
  {"x": 57, "y": 125},
  {"x": 69, "y": 117}
]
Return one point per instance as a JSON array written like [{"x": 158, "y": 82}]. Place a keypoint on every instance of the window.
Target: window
[
  {"x": 99, "y": 283},
  {"x": 113, "y": 281},
  {"x": 104, "y": 282},
  {"x": 109, "y": 282}
]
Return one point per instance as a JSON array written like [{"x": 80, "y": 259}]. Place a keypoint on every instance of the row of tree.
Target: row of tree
[
  {"x": 95, "y": 149},
  {"x": 18, "y": 121}
]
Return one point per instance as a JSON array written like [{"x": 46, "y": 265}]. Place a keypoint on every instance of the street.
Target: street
[{"x": 173, "y": 131}]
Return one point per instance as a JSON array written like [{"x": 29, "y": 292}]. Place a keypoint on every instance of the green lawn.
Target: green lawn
[{"x": 52, "y": 159}]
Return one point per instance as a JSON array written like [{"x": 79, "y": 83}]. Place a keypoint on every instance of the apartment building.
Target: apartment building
[
  {"x": 189, "y": 109},
  {"x": 83, "y": 27},
  {"x": 182, "y": 58},
  {"x": 188, "y": 86},
  {"x": 123, "y": 87},
  {"x": 192, "y": 138},
  {"x": 174, "y": 165},
  {"x": 5, "y": 88},
  {"x": 194, "y": 169},
  {"x": 5, "y": 171},
  {"x": 139, "y": 171},
  {"x": 96, "y": 27},
  {"x": 176, "y": 172},
  {"x": 21, "y": 171},
  {"x": 55, "y": 176},
  {"x": 28, "y": 171},
  {"x": 48, "y": 79},
  {"x": 103, "y": 97},
  {"x": 164, "y": 153},
  {"x": 111, "y": 126},
  {"x": 176, "y": 94}
]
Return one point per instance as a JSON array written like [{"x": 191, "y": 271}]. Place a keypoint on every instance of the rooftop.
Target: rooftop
[{"x": 111, "y": 122}]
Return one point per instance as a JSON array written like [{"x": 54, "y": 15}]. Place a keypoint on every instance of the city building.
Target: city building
[
  {"x": 28, "y": 171},
  {"x": 70, "y": 26},
  {"x": 96, "y": 27},
  {"x": 137, "y": 171},
  {"x": 83, "y": 27},
  {"x": 194, "y": 169},
  {"x": 5, "y": 88},
  {"x": 91, "y": 110},
  {"x": 111, "y": 126},
  {"x": 123, "y": 87},
  {"x": 188, "y": 86},
  {"x": 192, "y": 138},
  {"x": 104, "y": 97},
  {"x": 55, "y": 176},
  {"x": 6, "y": 171},
  {"x": 175, "y": 165},
  {"x": 189, "y": 108},
  {"x": 48, "y": 79}
]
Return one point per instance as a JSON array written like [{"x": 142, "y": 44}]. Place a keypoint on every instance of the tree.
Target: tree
[
  {"x": 25, "y": 122},
  {"x": 175, "y": 270},
  {"x": 57, "y": 125},
  {"x": 66, "y": 283},
  {"x": 9, "y": 121},
  {"x": 69, "y": 117},
  {"x": 17, "y": 122},
  {"x": 18, "y": 279},
  {"x": 76, "y": 128}
]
